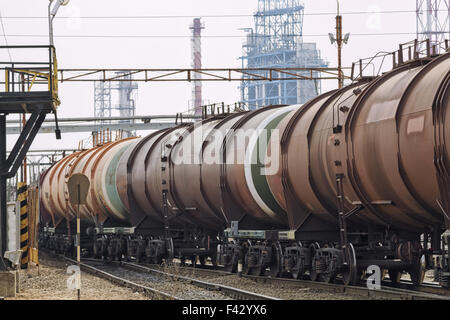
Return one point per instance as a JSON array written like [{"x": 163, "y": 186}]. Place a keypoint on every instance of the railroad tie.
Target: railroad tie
[{"x": 22, "y": 198}]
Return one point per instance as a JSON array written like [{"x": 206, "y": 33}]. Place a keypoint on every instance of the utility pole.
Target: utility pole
[
  {"x": 340, "y": 41},
  {"x": 339, "y": 45}
]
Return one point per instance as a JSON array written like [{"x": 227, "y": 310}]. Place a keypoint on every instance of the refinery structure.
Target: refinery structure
[
  {"x": 276, "y": 42},
  {"x": 116, "y": 99},
  {"x": 433, "y": 20}
]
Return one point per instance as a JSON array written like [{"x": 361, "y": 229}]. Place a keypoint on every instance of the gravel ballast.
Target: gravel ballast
[{"x": 51, "y": 284}]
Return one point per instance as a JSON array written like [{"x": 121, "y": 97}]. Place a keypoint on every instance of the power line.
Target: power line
[
  {"x": 214, "y": 16},
  {"x": 4, "y": 36},
  {"x": 206, "y": 36}
]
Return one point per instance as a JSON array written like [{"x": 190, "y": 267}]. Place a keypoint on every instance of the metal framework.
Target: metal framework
[
  {"x": 433, "y": 20},
  {"x": 217, "y": 74},
  {"x": 106, "y": 127},
  {"x": 276, "y": 42},
  {"x": 126, "y": 97}
]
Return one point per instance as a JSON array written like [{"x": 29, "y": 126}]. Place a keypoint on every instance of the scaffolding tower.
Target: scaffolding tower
[
  {"x": 276, "y": 42},
  {"x": 125, "y": 95},
  {"x": 433, "y": 20}
]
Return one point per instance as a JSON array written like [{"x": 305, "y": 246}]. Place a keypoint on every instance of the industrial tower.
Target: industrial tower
[
  {"x": 276, "y": 42},
  {"x": 196, "y": 45},
  {"x": 433, "y": 20},
  {"x": 124, "y": 92}
]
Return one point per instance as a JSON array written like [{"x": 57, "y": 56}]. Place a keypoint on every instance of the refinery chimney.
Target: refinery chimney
[{"x": 196, "y": 43}]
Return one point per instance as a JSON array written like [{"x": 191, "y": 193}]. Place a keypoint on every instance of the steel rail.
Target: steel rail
[
  {"x": 152, "y": 293},
  {"x": 229, "y": 291},
  {"x": 383, "y": 293},
  {"x": 423, "y": 292},
  {"x": 198, "y": 270},
  {"x": 425, "y": 287},
  {"x": 426, "y": 291}
]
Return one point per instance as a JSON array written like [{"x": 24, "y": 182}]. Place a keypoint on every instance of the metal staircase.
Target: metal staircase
[{"x": 20, "y": 97}]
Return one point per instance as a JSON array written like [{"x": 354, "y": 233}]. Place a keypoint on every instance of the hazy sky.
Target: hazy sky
[{"x": 169, "y": 98}]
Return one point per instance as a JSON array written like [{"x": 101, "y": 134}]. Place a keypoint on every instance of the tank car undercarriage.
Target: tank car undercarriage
[
  {"x": 131, "y": 243},
  {"x": 277, "y": 253},
  {"x": 270, "y": 253}
]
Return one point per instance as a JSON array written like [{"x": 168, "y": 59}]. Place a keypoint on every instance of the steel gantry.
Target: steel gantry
[{"x": 218, "y": 74}]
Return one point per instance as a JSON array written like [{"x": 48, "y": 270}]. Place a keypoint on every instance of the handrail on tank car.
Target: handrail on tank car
[{"x": 414, "y": 49}]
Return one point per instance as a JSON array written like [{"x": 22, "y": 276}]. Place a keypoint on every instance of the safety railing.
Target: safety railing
[
  {"x": 407, "y": 53},
  {"x": 37, "y": 72}
]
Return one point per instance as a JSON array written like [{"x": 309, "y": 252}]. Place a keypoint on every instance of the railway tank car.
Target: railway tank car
[{"x": 355, "y": 177}]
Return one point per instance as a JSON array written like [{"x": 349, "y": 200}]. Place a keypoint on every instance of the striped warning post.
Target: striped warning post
[{"x": 22, "y": 198}]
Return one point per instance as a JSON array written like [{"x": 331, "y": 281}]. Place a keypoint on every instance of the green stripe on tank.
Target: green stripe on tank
[
  {"x": 110, "y": 182},
  {"x": 259, "y": 180}
]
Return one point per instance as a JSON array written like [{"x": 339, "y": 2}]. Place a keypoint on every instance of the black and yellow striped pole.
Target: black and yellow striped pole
[{"x": 22, "y": 198}]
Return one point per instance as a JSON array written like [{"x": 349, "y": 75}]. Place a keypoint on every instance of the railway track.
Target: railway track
[
  {"x": 210, "y": 277},
  {"x": 232, "y": 292},
  {"x": 150, "y": 292},
  {"x": 220, "y": 291},
  {"x": 389, "y": 293},
  {"x": 425, "y": 287},
  {"x": 402, "y": 291}
]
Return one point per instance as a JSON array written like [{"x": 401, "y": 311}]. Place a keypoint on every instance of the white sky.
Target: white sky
[{"x": 169, "y": 97}]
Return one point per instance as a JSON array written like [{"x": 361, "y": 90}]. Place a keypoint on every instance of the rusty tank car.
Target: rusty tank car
[{"x": 354, "y": 178}]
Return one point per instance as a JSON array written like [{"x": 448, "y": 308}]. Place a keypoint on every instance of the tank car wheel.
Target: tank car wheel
[
  {"x": 349, "y": 276},
  {"x": 313, "y": 273},
  {"x": 275, "y": 263},
  {"x": 258, "y": 271},
  {"x": 246, "y": 269},
  {"x": 202, "y": 260},
  {"x": 159, "y": 260},
  {"x": 417, "y": 274},
  {"x": 328, "y": 277},
  {"x": 193, "y": 261},
  {"x": 299, "y": 271},
  {"x": 183, "y": 261},
  {"x": 214, "y": 259},
  {"x": 394, "y": 276},
  {"x": 297, "y": 274},
  {"x": 232, "y": 266}
]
